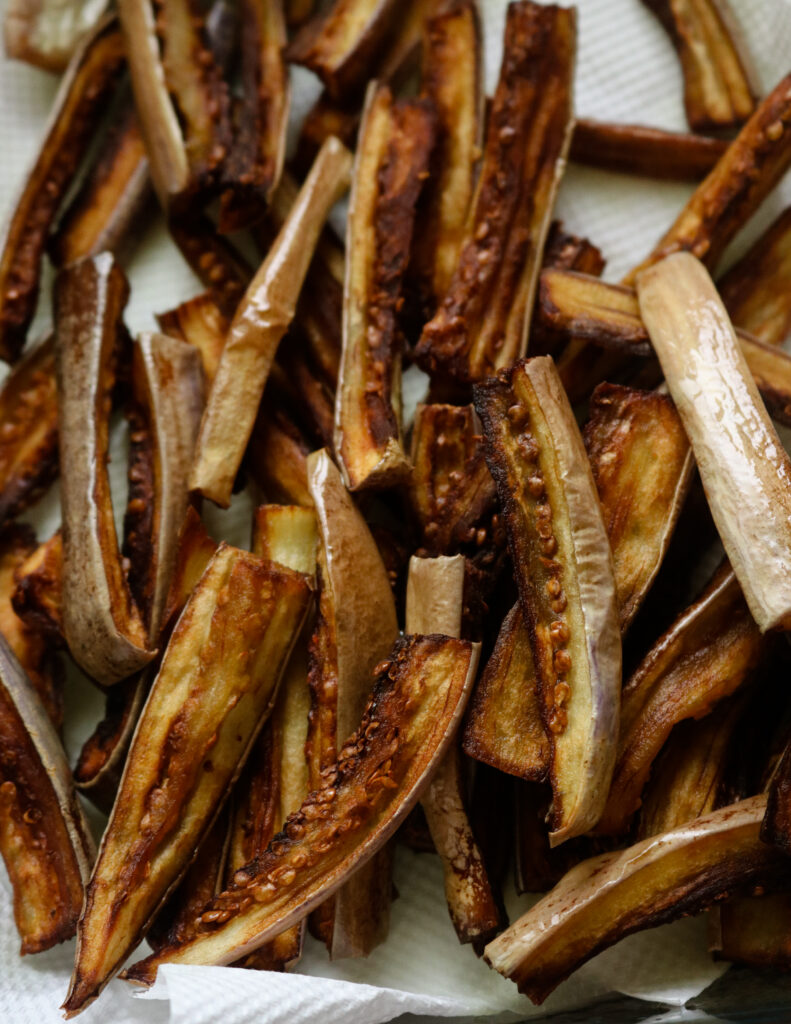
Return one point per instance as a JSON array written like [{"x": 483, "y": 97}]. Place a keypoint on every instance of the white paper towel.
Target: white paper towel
[{"x": 627, "y": 71}]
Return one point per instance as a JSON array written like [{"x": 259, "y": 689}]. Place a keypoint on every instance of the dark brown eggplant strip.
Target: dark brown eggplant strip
[
  {"x": 753, "y": 930},
  {"x": 777, "y": 823},
  {"x": 79, "y": 104},
  {"x": 38, "y": 598},
  {"x": 46, "y": 33},
  {"x": 216, "y": 262},
  {"x": 44, "y": 839}
]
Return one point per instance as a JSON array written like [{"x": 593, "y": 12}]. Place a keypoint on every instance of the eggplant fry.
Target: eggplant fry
[
  {"x": 381, "y": 771},
  {"x": 754, "y": 930},
  {"x": 215, "y": 688},
  {"x": 218, "y": 264},
  {"x": 649, "y": 152},
  {"x": 483, "y": 320},
  {"x": 718, "y": 93},
  {"x": 38, "y": 596},
  {"x": 200, "y": 322},
  {"x": 611, "y": 896},
  {"x": 44, "y": 838},
  {"x": 393, "y": 151},
  {"x": 564, "y": 571},
  {"x": 81, "y": 100},
  {"x": 777, "y": 823},
  {"x": 261, "y": 320},
  {"x": 709, "y": 652},
  {"x": 277, "y": 457},
  {"x": 47, "y": 32}
]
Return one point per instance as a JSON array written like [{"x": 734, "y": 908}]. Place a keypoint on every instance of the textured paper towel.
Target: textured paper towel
[{"x": 627, "y": 71}]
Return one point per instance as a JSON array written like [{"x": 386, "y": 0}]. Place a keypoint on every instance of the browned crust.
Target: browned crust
[
  {"x": 44, "y": 33},
  {"x": 200, "y": 322},
  {"x": 277, "y": 457},
  {"x": 38, "y": 597},
  {"x": 216, "y": 262}
]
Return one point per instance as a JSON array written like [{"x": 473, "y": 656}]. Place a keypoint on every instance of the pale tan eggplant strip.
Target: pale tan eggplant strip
[
  {"x": 744, "y": 468},
  {"x": 47, "y": 32},
  {"x": 262, "y": 319}
]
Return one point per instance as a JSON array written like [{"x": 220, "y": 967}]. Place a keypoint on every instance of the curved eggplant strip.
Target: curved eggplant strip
[
  {"x": 44, "y": 838},
  {"x": 381, "y": 771},
  {"x": 46, "y": 33},
  {"x": 564, "y": 570},
  {"x": 215, "y": 688},
  {"x": 80, "y": 102},
  {"x": 38, "y": 597},
  {"x": 609, "y": 897},
  {"x": 103, "y": 628},
  {"x": 260, "y": 322}
]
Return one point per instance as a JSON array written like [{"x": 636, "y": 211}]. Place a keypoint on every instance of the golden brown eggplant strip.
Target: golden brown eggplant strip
[
  {"x": 606, "y": 898},
  {"x": 753, "y": 930},
  {"x": 80, "y": 102},
  {"x": 38, "y": 597},
  {"x": 44, "y": 838},
  {"x": 650, "y": 152},
  {"x": 200, "y": 322},
  {"x": 277, "y": 458},
  {"x": 564, "y": 571},
  {"x": 483, "y": 320},
  {"x": 216, "y": 686},
  {"x": 47, "y": 32},
  {"x": 707, "y": 654},
  {"x": 260, "y": 322},
  {"x": 380, "y": 774},
  {"x": 215, "y": 261},
  {"x": 393, "y": 152},
  {"x": 718, "y": 93}
]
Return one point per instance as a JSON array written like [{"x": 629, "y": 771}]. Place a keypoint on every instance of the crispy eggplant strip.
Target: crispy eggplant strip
[
  {"x": 753, "y": 930},
  {"x": 215, "y": 688},
  {"x": 718, "y": 93},
  {"x": 200, "y": 322},
  {"x": 611, "y": 896},
  {"x": 80, "y": 102},
  {"x": 710, "y": 651},
  {"x": 260, "y": 322},
  {"x": 379, "y": 776},
  {"x": 277, "y": 458},
  {"x": 215, "y": 261},
  {"x": 255, "y": 161},
  {"x": 102, "y": 625},
  {"x": 483, "y": 320},
  {"x": 341, "y": 44},
  {"x": 743, "y": 466},
  {"x": 44, "y": 838},
  {"x": 564, "y": 571},
  {"x": 642, "y": 466},
  {"x": 47, "y": 32},
  {"x": 649, "y": 152},
  {"x": 393, "y": 152},
  {"x": 38, "y": 596}
]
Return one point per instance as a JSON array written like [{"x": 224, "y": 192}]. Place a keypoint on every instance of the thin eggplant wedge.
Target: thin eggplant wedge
[
  {"x": 483, "y": 320},
  {"x": 753, "y": 930},
  {"x": 708, "y": 653},
  {"x": 47, "y": 32},
  {"x": 216, "y": 686},
  {"x": 564, "y": 571},
  {"x": 611, "y": 896},
  {"x": 570, "y": 252},
  {"x": 219, "y": 265},
  {"x": 381, "y": 771},
  {"x": 200, "y": 322},
  {"x": 718, "y": 93},
  {"x": 392, "y": 162},
  {"x": 255, "y": 160},
  {"x": 38, "y": 596},
  {"x": 44, "y": 838},
  {"x": 261, "y": 320},
  {"x": 103, "y": 627},
  {"x": 277, "y": 458},
  {"x": 743, "y": 466},
  {"x": 79, "y": 104},
  {"x": 642, "y": 466},
  {"x": 648, "y": 152}
]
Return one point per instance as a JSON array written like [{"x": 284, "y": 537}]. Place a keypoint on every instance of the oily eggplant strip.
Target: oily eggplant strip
[
  {"x": 611, "y": 896},
  {"x": 218, "y": 264},
  {"x": 44, "y": 838},
  {"x": 564, "y": 571},
  {"x": 38, "y": 596},
  {"x": 743, "y": 466},
  {"x": 277, "y": 457},
  {"x": 649, "y": 152},
  {"x": 381, "y": 771},
  {"x": 753, "y": 930},
  {"x": 102, "y": 625},
  {"x": 200, "y": 322},
  {"x": 260, "y": 322},
  {"x": 708, "y": 653},
  {"x": 255, "y": 161},
  {"x": 718, "y": 93},
  {"x": 93, "y": 73},
  {"x": 392, "y": 158},
  {"x": 46, "y": 32},
  {"x": 216, "y": 686},
  {"x": 483, "y": 320}
]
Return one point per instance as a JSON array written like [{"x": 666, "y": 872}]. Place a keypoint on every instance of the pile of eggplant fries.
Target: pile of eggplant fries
[{"x": 477, "y": 631}]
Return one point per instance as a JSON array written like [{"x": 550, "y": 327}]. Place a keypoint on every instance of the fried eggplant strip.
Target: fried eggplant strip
[
  {"x": 38, "y": 597},
  {"x": 744, "y": 468},
  {"x": 753, "y": 930},
  {"x": 777, "y": 823},
  {"x": 611, "y": 896},
  {"x": 710, "y": 651},
  {"x": 200, "y": 322},
  {"x": 260, "y": 322},
  {"x": 277, "y": 458},
  {"x": 47, "y": 32},
  {"x": 718, "y": 93},
  {"x": 564, "y": 571},
  {"x": 102, "y": 625},
  {"x": 215, "y": 688},
  {"x": 381, "y": 771},
  {"x": 650, "y": 152},
  {"x": 393, "y": 152},
  {"x": 214, "y": 260},
  {"x": 80, "y": 102},
  {"x": 483, "y": 320},
  {"x": 44, "y": 838}
]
